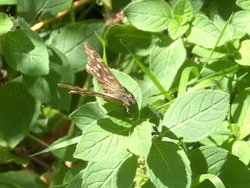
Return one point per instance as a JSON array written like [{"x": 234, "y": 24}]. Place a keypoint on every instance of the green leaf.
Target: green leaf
[
  {"x": 87, "y": 114},
  {"x": 184, "y": 9},
  {"x": 217, "y": 183},
  {"x": 67, "y": 148},
  {"x": 149, "y": 15},
  {"x": 148, "y": 184},
  {"x": 119, "y": 35},
  {"x": 168, "y": 165},
  {"x": 44, "y": 8},
  {"x": 101, "y": 140},
  {"x": 205, "y": 33},
  {"x": 196, "y": 115},
  {"x": 205, "y": 53},
  {"x": 217, "y": 161},
  {"x": 25, "y": 51},
  {"x": 182, "y": 13},
  {"x": 18, "y": 179},
  {"x": 118, "y": 171},
  {"x": 241, "y": 149},
  {"x": 140, "y": 139},
  {"x": 185, "y": 75},
  {"x": 241, "y": 113},
  {"x": 7, "y": 156},
  {"x": 244, "y": 4},
  {"x": 45, "y": 88},
  {"x": 51, "y": 8},
  {"x": 225, "y": 28},
  {"x": 73, "y": 178},
  {"x": 166, "y": 59},
  {"x": 241, "y": 24},
  {"x": 221, "y": 136},
  {"x": 19, "y": 110},
  {"x": 70, "y": 41},
  {"x": 197, "y": 5},
  {"x": 244, "y": 58},
  {"x": 60, "y": 144},
  {"x": 154, "y": 83},
  {"x": 122, "y": 118},
  {"x": 243, "y": 79},
  {"x": 8, "y": 2},
  {"x": 75, "y": 182},
  {"x": 6, "y": 23},
  {"x": 29, "y": 10},
  {"x": 176, "y": 29},
  {"x": 149, "y": 89}
]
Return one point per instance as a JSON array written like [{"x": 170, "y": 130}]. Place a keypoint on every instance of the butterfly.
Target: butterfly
[{"x": 113, "y": 89}]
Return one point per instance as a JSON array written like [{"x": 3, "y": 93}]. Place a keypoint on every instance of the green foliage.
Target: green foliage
[
  {"x": 186, "y": 64},
  {"x": 149, "y": 15},
  {"x": 20, "y": 179},
  {"x": 231, "y": 171},
  {"x": 31, "y": 59},
  {"x": 19, "y": 111},
  {"x": 6, "y": 23},
  {"x": 168, "y": 165},
  {"x": 196, "y": 115}
]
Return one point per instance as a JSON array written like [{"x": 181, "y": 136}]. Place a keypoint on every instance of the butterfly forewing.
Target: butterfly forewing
[
  {"x": 101, "y": 72},
  {"x": 109, "y": 83}
]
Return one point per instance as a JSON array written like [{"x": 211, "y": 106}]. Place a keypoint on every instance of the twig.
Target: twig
[{"x": 75, "y": 5}]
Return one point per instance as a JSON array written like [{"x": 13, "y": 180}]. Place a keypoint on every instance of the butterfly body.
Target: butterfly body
[{"x": 113, "y": 90}]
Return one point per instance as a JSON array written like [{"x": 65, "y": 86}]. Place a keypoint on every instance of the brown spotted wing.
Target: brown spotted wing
[{"x": 113, "y": 90}]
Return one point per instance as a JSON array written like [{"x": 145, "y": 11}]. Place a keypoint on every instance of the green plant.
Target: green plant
[{"x": 186, "y": 63}]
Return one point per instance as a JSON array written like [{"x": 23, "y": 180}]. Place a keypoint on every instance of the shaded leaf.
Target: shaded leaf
[
  {"x": 87, "y": 114},
  {"x": 45, "y": 88},
  {"x": 16, "y": 102},
  {"x": 17, "y": 179},
  {"x": 118, "y": 171},
  {"x": 221, "y": 163},
  {"x": 70, "y": 41},
  {"x": 25, "y": 51},
  {"x": 168, "y": 166},
  {"x": 119, "y": 35},
  {"x": 241, "y": 113}
]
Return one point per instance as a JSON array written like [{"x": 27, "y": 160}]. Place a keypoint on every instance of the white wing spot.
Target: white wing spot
[
  {"x": 106, "y": 70},
  {"x": 105, "y": 79},
  {"x": 92, "y": 70},
  {"x": 99, "y": 60},
  {"x": 110, "y": 77},
  {"x": 99, "y": 66},
  {"x": 98, "y": 74}
]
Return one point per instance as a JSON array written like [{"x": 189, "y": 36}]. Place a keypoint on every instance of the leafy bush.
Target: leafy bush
[{"x": 186, "y": 64}]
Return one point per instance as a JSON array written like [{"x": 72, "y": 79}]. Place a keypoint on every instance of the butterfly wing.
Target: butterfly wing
[
  {"x": 102, "y": 73},
  {"x": 78, "y": 90},
  {"x": 112, "y": 87}
]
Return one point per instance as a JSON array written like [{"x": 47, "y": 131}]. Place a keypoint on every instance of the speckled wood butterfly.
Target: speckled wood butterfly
[{"x": 113, "y": 90}]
